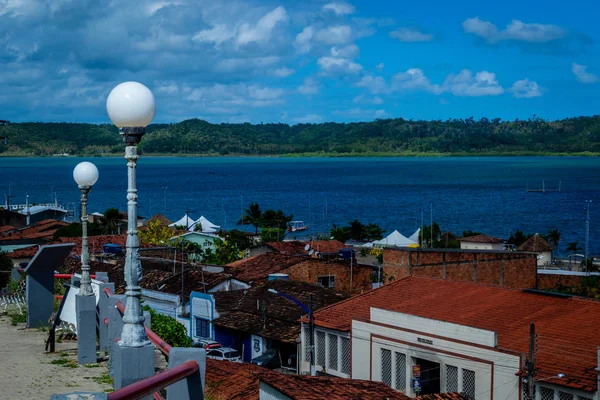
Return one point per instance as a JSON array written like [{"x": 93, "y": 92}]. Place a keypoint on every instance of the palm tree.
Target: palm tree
[
  {"x": 554, "y": 238},
  {"x": 574, "y": 247},
  {"x": 252, "y": 216}
]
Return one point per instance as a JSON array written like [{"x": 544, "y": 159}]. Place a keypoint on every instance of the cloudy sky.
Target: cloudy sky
[{"x": 297, "y": 61}]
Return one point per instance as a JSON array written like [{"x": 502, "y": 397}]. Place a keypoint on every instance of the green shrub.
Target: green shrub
[{"x": 169, "y": 329}]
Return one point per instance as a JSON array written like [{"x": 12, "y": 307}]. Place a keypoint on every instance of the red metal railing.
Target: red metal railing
[
  {"x": 154, "y": 383},
  {"x": 69, "y": 276}
]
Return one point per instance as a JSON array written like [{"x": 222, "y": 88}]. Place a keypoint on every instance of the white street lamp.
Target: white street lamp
[
  {"x": 131, "y": 108},
  {"x": 85, "y": 175}
]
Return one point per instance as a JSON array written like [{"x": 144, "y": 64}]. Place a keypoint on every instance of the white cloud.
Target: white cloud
[
  {"x": 525, "y": 88},
  {"x": 309, "y": 119},
  {"x": 261, "y": 32},
  {"x": 380, "y": 114},
  {"x": 339, "y": 8},
  {"x": 362, "y": 99},
  {"x": 484, "y": 83},
  {"x": 580, "y": 72},
  {"x": 304, "y": 39},
  {"x": 338, "y": 66},
  {"x": 283, "y": 72},
  {"x": 221, "y": 99},
  {"x": 414, "y": 79},
  {"x": 375, "y": 84},
  {"x": 218, "y": 34},
  {"x": 338, "y": 34},
  {"x": 310, "y": 86},
  {"x": 350, "y": 51},
  {"x": 411, "y": 35},
  {"x": 230, "y": 65},
  {"x": 361, "y": 113},
  {"x": 516, "y": 30}
]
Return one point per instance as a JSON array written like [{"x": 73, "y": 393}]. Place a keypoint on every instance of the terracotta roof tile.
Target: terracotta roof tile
[
  {"x": 260, "y": 266},
  {"x": 535, "y": 244},
  {"x": 481, "y": 239},
  {"x": 160, "y": 218},
  {"x": 565, "y": 326},
  {"x": 292, "y": 248},
  {"x": 25, "y": 252},
  {"x": 327, "y": 246},
  {"x": 300, "y": 387},
  {"x": 7, "y": 228},
  {"x": 232, "y": 381}
]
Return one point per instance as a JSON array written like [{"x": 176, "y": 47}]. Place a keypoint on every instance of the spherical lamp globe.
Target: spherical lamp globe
[
  {"x": 131, "y": 105},
  {"x": 85, "y": 174}
]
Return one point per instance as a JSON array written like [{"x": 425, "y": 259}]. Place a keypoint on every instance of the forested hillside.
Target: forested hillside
[{"x": 399, "y": 136}]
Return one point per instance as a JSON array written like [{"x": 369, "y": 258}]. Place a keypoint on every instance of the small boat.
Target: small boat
[{"x": 295, "y": 226}]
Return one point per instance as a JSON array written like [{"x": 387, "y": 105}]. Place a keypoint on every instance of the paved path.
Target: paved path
[{"x": 26, "y": 371}]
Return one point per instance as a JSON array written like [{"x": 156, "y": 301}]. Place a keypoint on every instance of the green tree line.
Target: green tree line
[{"x": 395, "y": 136}]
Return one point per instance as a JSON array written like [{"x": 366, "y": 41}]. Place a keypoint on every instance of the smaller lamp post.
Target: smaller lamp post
[{"x": 86, "y": 175}]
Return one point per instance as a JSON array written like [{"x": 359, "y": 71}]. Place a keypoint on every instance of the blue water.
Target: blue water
[{"x": 478, "y": 193}]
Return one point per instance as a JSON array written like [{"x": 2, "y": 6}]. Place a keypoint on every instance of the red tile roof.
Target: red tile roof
[
  {"x": 39, "y": 230},
  {"x": 25, "y": 252},
  {"x": 301, "y": 387},
  {"x": 259, "y": 267},
  {"x": 297, "y": 247},
  {"x": 232, "y": 381},
  {"x": 7, "y": 228},
  {"x": 567, "y": 327},
  {"x": 481, "y": 239},
  {"x": 292, "y": 248},
  {"x": 327, "y": 246},
  {"x": 535, "y": 244},
  {"x": 95, "y": 243}
]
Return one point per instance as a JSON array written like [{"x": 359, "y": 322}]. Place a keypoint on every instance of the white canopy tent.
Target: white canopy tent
[
  {"x": 185, "y": 221},
  {"x": 395, "y": 239},
  {"x": 415, "y": 236},
  {"x": 206, "y": 225}
]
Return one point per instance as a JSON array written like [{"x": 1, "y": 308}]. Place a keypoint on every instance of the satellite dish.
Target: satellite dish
[
  {"x": 311, "y": 252},
  {"x": 307, "y": 247}
]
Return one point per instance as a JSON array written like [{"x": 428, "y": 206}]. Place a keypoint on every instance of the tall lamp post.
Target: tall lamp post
[
  {"x": 309, "y": 311},
  {"x": 131, "y": 107},
  {"x": 85, "y": 175}
]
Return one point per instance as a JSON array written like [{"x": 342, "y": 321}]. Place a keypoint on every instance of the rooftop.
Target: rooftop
[
  {"x": 536, "y": 244},
  {"x": 565, "y": 326},
  {"x": 302, "y": 387},
  {"x": 232, "y": 381},
  {"x": 260, "y": 266},
  {"x": 238, "y": 309},
  {"x": 297, "y": 247},
  {"x": 481, "y": 239}
]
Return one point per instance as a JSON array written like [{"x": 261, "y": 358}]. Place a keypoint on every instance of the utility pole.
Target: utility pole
[
  {"x": 529, "y": 392},
  {"x": 587, "y": 233},
  {"x": 313, "y": 366}
]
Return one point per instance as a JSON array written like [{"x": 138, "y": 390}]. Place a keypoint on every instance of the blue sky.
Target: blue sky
[{"x": 301, "y": 61}]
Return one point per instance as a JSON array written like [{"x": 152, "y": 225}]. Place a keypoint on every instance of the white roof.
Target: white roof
[
  {"x": 39, "y": 209},
  {"x": 185, "y": 221},
  {"x": 206, "y": 225},
  {"x": 395, "y": 239},
  {"x": 415, "y": 236}
]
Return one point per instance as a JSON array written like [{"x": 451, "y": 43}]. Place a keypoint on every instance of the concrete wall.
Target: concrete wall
[
  {"x": 506, "y": 269},
  {"x": 408, "y": 338},
  {"x": 553, "y": 279},
  {"x": 310, "y": 270}
]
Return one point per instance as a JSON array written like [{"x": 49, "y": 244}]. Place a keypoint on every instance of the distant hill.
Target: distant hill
[{"x": 390, "y": 136}]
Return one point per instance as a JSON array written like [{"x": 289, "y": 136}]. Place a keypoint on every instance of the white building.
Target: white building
[
  {"x": 481, "y": 242},
  {"x": 463, "y": 337},
  {"x": 539, "y": 245}
]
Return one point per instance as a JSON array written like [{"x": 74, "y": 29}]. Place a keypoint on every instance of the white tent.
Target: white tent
[
  {"x": 185, "y": 221},
  {"x": 395, "y": 239},
  {"x": 415, "y": 236},
  {"x": 204, "y": 225}
]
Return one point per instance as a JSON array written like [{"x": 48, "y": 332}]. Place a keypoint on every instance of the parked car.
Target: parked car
[
  {"x": 207, "y": 344},
  {"x": 224, "y": 353},
  {"x": 268, "y": 359}
]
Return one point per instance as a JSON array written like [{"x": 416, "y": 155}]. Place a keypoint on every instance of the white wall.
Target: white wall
[
  {"x": 546, "y": 258},
  {"x": 481, "y": 246},
  {"x": 368, "y": 339},
  {"x": 268, "y": 392},
  {"x": 336, "y": 359}
]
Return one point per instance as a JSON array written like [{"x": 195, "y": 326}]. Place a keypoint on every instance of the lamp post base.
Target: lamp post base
[
  {"x": 132, "y": 364},
  {"x": 85, "y": 308}
]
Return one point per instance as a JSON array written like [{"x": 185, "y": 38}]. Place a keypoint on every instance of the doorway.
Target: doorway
[{"x": 430, "y": 376}]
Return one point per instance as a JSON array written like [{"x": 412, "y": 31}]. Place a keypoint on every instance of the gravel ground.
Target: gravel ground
[{"x": 27, "y": 372}]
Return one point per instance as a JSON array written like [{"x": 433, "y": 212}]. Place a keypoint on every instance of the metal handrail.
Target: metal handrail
[
  {"x": 155, "y": 383},
  {"x": 69, "y": 276}
]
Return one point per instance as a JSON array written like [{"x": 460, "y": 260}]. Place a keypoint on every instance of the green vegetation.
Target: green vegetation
[
  {"x": 103, "y": 379},
  {"x": 18, "y": 318},
  {"x": 535, "y": 136},
  {"x": 169, "y": 329},
  {"x": 356, "y": 230},
  {"x": 65, "y": 362},
  {"x": 272, "y": 223}
]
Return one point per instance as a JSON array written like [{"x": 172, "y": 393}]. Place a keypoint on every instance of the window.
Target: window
[
  {"x": 547, "y": 393},
  {"x": 400, "y": 371},
  {"x": 565, "y": 396},
  {"x": 584, "y": 398},
  {"x": 345, "y": 355},
  {"x": 320, "y": 348},
  {"x": 202, "y": 328},
  {"x": 333, "y": 351},
  {"x": 207, "y": 243},
  {"x": 386, "y": 366},
  {"x": 215, "y": 353},
  {"x": 451, "y": 378},
  {"x": 468, "y": 383},
  {"x": 326, "y": 281}
]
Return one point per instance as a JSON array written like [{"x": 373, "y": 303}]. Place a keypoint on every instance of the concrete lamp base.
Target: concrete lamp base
[
  {"x": 85, "y": 307},
  {"x": 132, "y": 364}
]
